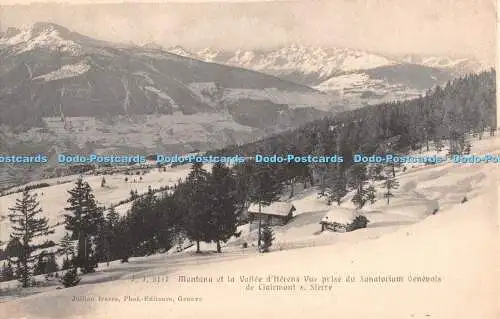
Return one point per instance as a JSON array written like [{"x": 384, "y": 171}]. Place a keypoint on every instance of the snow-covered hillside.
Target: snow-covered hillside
[
  {"x": 53, "y": 199},
  {"x": 408, "y": 263},
  {"x": 362, "y": 87}
]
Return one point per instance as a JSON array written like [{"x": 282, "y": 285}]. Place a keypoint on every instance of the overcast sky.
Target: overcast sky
[{"x": 452, "y": 27}]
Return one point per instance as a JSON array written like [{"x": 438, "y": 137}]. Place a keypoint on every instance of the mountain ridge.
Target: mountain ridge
[
  {"x": 341, "y": 64},
  {"x": 65, "y": 92},
  {"x": 356, "y": 77}
]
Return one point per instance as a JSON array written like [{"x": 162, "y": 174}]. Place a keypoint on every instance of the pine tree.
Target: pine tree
[
  {"x": 291, "y": 173},
  {"x": 169, "y": 222},
  {"x": 267, "y": 238},
  {"x": 123, "y": 230},
  {"x": 359, "y": 199},
  {"x": 337, "y": 188},
  {"x": 112, "y": 218},
  {"x": 243, "y": 172},
  {"x": 195, "y": 196},
  {"x": 67, "y": 264},
  {"x": 389, "y": 184},
  {"x": 106, "y": 239},
  {"x": 66, "y": 247},
  {"x": 453, "y": 121},
  {"x": 70, "y": 278},
  {"x": 84, "y": 221},
  {"x": 27, "y": 226},
  {"x": 51, "y": 266},
  {"x": 371, "y": 194},
  {"x": 264, "y": 190},
  {"x": 321, "y": 169},
  {"x": 356, "y": 180},
  {"x": 40, "y": 266},
  {"x": 14, "y": 251},
  {"x": 144, "y": 224},
  {"x": 46, "y": 264},
  {"x": 7, "y": 271},
  {"x": 14, "y": 248},
  {"x": 223, "y": 203},
  {"x": 438, "y": 145},
  {"x": 375, "y": 171},
  {"x": 393, "y": 164},
  {"x": 467, "y": 148}
]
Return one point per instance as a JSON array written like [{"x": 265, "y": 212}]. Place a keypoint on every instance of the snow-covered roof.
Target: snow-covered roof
[
  {"x": 276, "y": 208},
  {"x": 340, "y": 215}
]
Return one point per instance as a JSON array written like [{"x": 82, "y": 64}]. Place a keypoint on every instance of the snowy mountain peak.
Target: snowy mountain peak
[
  {"x": 294, "y": 58},
  {"x": 179, "y": 50},
  {"x": 42, "y": 35}
]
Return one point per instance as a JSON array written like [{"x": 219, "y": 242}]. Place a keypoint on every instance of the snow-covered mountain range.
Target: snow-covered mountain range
[
  {"x": 300, "y": 63},
  {"x": 313, "y": 64},
  {"x": 356, "y": 76}
]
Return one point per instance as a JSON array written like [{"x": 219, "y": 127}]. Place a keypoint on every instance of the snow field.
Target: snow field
[
  {"x": 456, "y": 250},
  {"x": 434, "y": 248}
]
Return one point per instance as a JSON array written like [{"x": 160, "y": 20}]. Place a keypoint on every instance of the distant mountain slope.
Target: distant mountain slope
[
  {"x": 385, "y": 83},
  {"x": 63, "y": 91},
  {"x": 357, "y": 77},
  {"x": 94, "y": 78},
  {"x": 465, "y": 105},
  {"x": 457, "y": 66}
]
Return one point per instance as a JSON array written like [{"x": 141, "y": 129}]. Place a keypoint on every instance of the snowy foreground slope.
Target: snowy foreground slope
[{"x": 445, "y": 266}]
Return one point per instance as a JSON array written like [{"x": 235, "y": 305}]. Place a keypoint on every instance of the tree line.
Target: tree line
[
  {"x": 204, "y": 207},
  {"x": 443, "y": 116}
]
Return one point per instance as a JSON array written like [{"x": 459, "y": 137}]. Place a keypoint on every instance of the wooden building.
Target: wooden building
[
  {"x": 276, "y": 214},
  {"x": 343, "y": 220}
]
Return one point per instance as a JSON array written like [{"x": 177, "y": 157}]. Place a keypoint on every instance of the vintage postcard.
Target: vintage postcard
[{"x": 249, "y": 158}]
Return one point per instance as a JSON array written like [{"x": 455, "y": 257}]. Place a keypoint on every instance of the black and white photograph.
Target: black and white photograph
[{"x": 249, "y": 158}]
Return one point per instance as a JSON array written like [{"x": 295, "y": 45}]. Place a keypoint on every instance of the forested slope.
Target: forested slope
[{"x": 444, "y": 114}]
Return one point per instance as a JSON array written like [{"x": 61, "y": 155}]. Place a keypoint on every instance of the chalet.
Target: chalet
[
  {"x": 276, "y": 214},
  {"x": 343, "y": 220}
]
